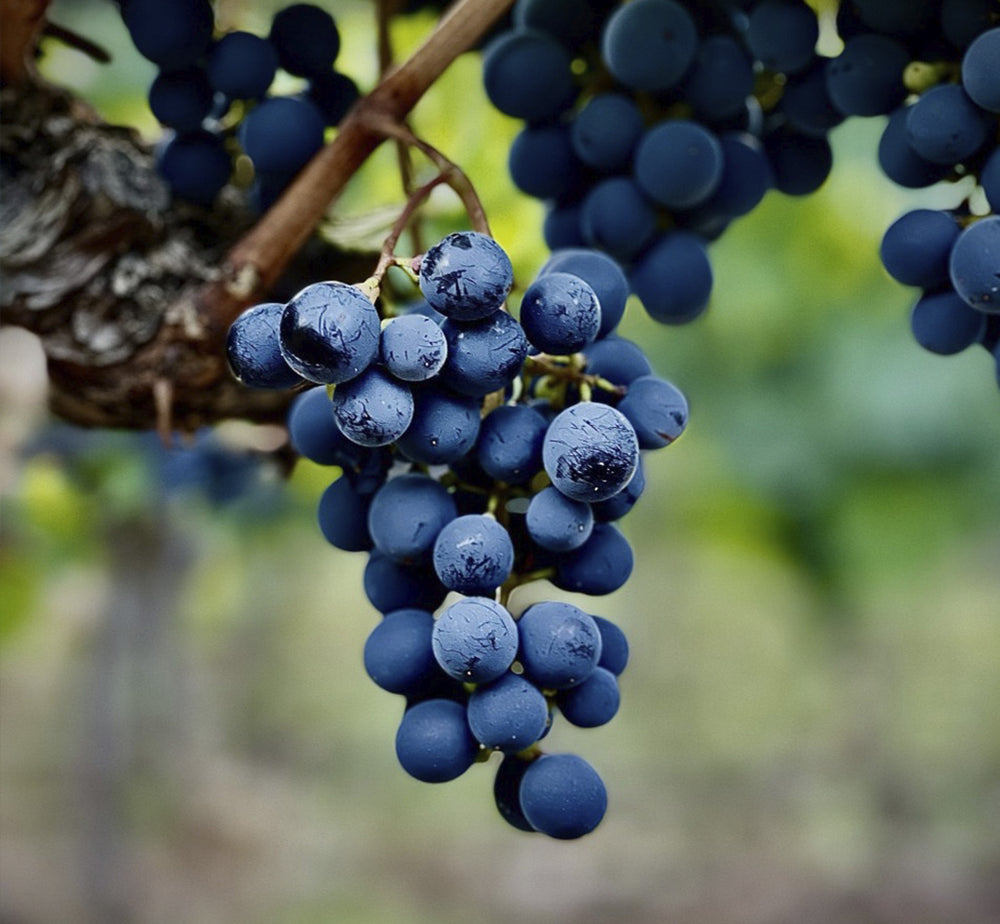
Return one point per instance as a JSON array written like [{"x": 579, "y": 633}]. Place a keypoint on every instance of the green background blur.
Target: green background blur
[{"x": 810, "y": 722}]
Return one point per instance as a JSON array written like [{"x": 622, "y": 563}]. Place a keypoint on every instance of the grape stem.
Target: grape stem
[
  {"x": 570, "y": 372},
  {"x": 450, "y": 173}
]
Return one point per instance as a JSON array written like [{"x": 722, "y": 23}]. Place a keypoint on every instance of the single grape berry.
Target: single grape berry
[
  {"x": 443, "y": 429},
  {"x": 559, "y": 644},
  {"x": 508, "y": 714},
  {"x": 657, "y": 410},
  {"x": 242, "y": 65},
  {"x": 253, "y": 350},
  {"x": 475, "y": 640},
  {"x": 560, "y": 313},
  {"x": 466, "y": 276},
  {"x": 306, "y": 39},
  {"x": 975, "y": 264},
  {"x": 593, "y": 702},
  {"x": 406, "y": 515},
  {"x": 329, "y": 332},
  {"x": 558, "y": 523},
  {"x": 373, "y": 409},
  {"x": 413, "y": 347},
  {"x": 397, "y": 652},
  {"x": 590, "y": 451},
  {"x": 483, "y": 356},
  {"x": 343, "y": 515},
  {"x": 562, "y": 795},
  {"x": 473, "y": 554},
  {"x": 509, "y": 447},
  {"x": 434, "y": 743}
]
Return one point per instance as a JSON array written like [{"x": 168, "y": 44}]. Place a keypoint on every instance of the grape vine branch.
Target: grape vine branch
[{"x": 133, "y": 307}]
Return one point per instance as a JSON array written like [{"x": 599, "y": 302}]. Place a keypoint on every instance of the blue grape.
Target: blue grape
[
  {"x": 475, "y": 640},
  {"x": 899, "y": 162},
  {"x": 413, "y": 347},
  {"x": 866, "y": 78},
  {"x": 746, "y": 176},
  {"x": 974, "y": 263},
  {"x": 678, "y": 163},
  {"x": 390, "y": 585},
  {"x": 559, "y": 644},
  {"x": 916, "y": 246},
  {"x": 443, "y": 429},
  {"x": 568, "y": 21},
  {"x": 506, "y": 791},
  {"x": 315, "y": 435},
  {"x": 617, "y": 360},
  {"x": 800, "y": 163},
  {"x": 398, "y": 655},
  {"x": 561, "y": 226},
  {"x": 281, "y": 134},
  {"x": 306, "y": 39},
  {"x": 527, "y": 75},
  {"x": 600, "y": 566},
  {"x": 896, "y": 16},
  {"x": 721, "y": 78},
  {"x": 806, "y": 102},
  {"x": 466, "y": 276},
  {"x": 342, "y": 514},
  {"x": 406, "y": 515},
  {"x": 483, "y": 356},
  {"x": 172, "y": 35},
  {"x": 508, "y": 714},
  {"x": 329, "y": 332},
  {"x": 943, "y": 323},
  {"x": 560, "y": 313},
  {"x": 542, "y": 163},
  {"x": 649, "y": 44},
  {"x": 605, "y": 131},
  {"x": 473, "y": 555},
  {"x": 604, "y": 276},
  {"x": 562, "y": 796},
  {"x": 614, "y": 646},
  {"x": 242, "y": 65},
  {"x": 673, "y": 278},
  {"x": 434, "y": 743},
  {"x": 181, "y": 99},
  {"x": 963, "y": 20},
  {"x": 593, "y": 702},
  {"x": 373, "y": 409},
  {"x": 557, "y": 523},
  {"x": 989, "y": 179},
  {"x": 981, "y": 71},
  {"x": 509, "y": 447},
  {"x": 196, "y": 165},
  {"x": 590, "y": 451},
  {"x": 782, "y": 34},
  {"x": 253, "y": 351},
  {"x": 945, "y": 127},
  {"x": 617, "y": 217},
  {"x": 657, "y": 410},
  {"x": 333, "y": 94}
]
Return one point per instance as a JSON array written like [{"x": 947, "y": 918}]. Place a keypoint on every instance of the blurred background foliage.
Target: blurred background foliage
[{"x": 809, "y": 727}]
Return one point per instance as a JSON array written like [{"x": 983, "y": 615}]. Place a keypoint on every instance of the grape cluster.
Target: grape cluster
[
  {"x": 650, "y": 126},
  {"x": 212, "y": 93},
  {"x": 479, "y": 452}
]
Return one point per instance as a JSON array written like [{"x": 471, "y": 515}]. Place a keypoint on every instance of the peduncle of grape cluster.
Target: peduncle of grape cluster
[
  {"x": 650, "y": 126},
  {"x": 479, "y": 452}
]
